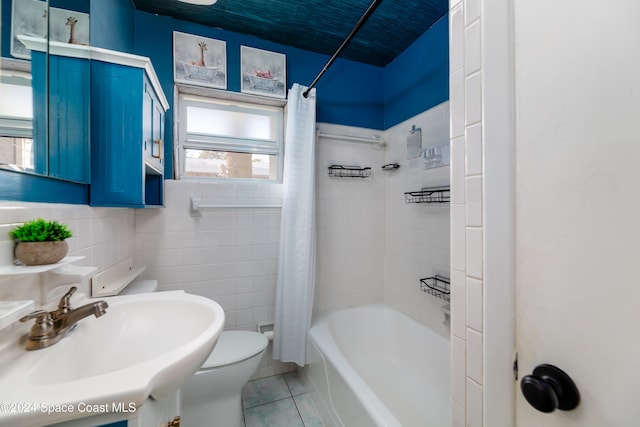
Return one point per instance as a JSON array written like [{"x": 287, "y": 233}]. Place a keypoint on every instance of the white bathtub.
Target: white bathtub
[{"x": 374, "y": 366}]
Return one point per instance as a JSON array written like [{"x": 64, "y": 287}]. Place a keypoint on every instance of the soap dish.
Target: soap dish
[{"x": 11, "y": 311}]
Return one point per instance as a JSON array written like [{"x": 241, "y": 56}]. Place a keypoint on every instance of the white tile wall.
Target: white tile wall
[
  {"x": 458, "y": 304},
  {"x": 372, "y": 246},
  {"x": 474, "y": 404},
  {"x": 473, "y": 99},
  {"x": 459, "y": 415},
  {"x": 228, "y": 255},
  {"x": 474, "y": 355},
  {"x": 474, "y": 201},
  {"x": 474, "y": 303},
  {"x": 458, "y": 364},
  {"x": 417, "y": 235},
  {"x": 458, "y": 192},
  {"x": 467, "y": 218},
  {"x": 473, "y": 150},
  {"x": 103, "y": 236},
  {"x": 350, "y": 222},
  {"x": 458, "y": 235},
  {"x": 474, "y": 251},
  {"x": 456, "y": 98},
  {"x": 456, "y": 54},
  {"x": 472, "y": 44}
]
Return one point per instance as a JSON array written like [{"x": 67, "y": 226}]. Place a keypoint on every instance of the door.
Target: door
[{"x": 577, "y": 77}]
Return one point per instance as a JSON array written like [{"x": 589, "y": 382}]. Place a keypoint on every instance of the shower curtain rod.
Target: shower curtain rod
[{"x": 344, "y": 44}]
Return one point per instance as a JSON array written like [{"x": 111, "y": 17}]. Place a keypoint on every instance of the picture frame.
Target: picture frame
[
  {"x": 199, "y": 61},
  {"x": 263, "y": 72},
  {"x": 29, "y": 18},
  {"x": 69, "y": 26}
]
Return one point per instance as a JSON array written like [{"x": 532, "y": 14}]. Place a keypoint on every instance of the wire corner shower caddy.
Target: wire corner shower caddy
[
  {"x": 339, "y": 171},
  {"x": 438, "y": 286},
  {"x": 429, "y": 195}
]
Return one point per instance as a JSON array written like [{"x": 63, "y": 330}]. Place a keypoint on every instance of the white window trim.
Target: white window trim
[{"x": 181, "y": 90}]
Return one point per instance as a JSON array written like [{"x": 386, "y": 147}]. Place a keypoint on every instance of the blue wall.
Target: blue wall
[
  {"x": 5, "y": 28},
  {"x": 418, "y": 79},
  {"x": 112, "y": 25},
  {"x": 350, "y": 93}
]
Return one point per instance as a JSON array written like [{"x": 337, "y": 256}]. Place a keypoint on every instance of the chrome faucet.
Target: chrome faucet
[{"x": 52, "y": 326}]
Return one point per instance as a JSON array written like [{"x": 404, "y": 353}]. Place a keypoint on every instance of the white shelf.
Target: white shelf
[
  {"x": 11, "y": 311},
  {"x": 114, "y": 279},
  {"x": 15, "y": 270}
]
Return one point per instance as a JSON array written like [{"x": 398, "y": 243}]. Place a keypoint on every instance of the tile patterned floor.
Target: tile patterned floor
[{"x": 279, "y": 401}]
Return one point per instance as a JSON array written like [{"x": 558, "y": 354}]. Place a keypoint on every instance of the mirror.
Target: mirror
[{"x": 45, "y": 88}]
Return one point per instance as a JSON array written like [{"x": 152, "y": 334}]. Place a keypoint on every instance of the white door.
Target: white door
[{"x": 577, "y": 76}]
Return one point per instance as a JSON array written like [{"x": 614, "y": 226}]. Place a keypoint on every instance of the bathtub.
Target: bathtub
[{"x": 374, "y": 366}]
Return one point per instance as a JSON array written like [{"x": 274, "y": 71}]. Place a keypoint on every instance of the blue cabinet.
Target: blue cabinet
[
  {"x": 61, "y": 116},
  {"x": 127, "y": 130}
]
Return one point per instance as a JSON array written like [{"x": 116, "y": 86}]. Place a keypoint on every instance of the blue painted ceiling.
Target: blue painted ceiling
[{"x": 316, "y": 25}]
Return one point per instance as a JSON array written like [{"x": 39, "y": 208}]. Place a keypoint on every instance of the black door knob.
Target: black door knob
[{"x": 549, "y": 388}]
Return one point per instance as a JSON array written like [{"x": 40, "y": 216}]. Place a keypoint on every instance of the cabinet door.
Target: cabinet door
[
  {"x": 61, "y": 116},
  {"x": 117, "y": 167},
  {"x": 40, "y": 106},
  {"x": 147, "y": 120},
  {"x": 157, "y": 151},
  {"x": 153, "y": 128},
  {"x": 69, "y": 99}
]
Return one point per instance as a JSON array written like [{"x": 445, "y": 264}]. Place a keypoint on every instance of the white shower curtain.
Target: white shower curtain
[{"x": 297, "y": 263}]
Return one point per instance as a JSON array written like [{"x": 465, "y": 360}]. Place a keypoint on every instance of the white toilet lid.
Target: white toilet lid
[{"x": 235, "y": 346}]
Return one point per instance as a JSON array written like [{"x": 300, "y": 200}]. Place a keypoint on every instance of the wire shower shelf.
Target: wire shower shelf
[
  {"x": 339, "y": 171},
  {"x": 429, "y": 195},
  {"x": 437, "y": 286}
]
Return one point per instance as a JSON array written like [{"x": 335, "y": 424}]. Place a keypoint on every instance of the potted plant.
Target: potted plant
[{"x": 41, "y": 242}]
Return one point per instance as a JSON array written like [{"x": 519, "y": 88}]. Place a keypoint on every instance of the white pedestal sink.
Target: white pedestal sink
[{"x": 145, "y": 345}]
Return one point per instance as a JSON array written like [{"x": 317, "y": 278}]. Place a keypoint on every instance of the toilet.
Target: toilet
[{"x": 213, "y": 396}]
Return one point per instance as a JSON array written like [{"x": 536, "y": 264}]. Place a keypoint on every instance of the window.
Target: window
[
  {"x": 16, "y": 120},
  {"x": 226, "y": 139}
]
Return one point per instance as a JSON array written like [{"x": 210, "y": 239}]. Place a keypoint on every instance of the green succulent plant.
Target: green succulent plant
[{"x": 39, "y": 230}]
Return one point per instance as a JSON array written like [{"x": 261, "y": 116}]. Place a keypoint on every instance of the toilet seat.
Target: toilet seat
[{"x": 235, "y": 346}]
